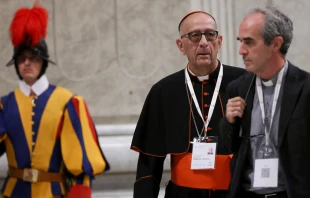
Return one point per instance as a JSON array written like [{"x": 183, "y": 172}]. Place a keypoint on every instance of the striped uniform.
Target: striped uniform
[{"x": 52, "y": 133}]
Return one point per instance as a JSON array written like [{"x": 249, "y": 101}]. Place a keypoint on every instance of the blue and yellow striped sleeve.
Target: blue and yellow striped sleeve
[{"x": 80, "y": 146}]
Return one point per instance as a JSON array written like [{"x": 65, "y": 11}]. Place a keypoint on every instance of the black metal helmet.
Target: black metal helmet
[{"x": 28, "y": 32}]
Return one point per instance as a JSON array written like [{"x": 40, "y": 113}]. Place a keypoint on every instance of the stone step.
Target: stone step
[
  {"x": 118, "y": 185},
  {"x": 122, "y": 193},
  {"x": 115, "y": 141},
  {"x": 113, "y": 181}
]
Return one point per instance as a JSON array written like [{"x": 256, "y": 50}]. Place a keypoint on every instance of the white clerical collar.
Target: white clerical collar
[
  {"x": 200, "y": 78},
  {"x": 272, "y": 81},
  {"x": 38, "y": 87}
]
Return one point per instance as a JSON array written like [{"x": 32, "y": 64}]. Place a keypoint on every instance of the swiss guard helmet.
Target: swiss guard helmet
[{"x": 28, "y": 32}]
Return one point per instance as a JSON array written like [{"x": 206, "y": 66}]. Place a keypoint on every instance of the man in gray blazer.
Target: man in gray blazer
[{"x": 267, "y": 117}]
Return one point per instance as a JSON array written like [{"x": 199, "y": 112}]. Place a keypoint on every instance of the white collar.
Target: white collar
[
  {"x": 38, "y": 87},
  {"x": 200, "y": 78},
  {"x": 272, "y": 81}
]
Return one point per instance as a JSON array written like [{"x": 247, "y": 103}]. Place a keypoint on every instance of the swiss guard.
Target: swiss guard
[{"x": 48, "y": 135}]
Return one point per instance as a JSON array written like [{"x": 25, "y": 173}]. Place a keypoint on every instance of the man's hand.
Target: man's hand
[{"x": 234, "y": 108}]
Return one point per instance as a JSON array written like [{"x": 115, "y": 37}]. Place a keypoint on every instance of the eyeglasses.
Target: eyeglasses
[{"x": 195, "y": 37}]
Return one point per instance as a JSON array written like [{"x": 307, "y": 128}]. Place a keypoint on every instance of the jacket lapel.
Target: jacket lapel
[{"x": 291, "y": 90}]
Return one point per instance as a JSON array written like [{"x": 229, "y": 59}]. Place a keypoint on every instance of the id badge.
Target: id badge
[
  {"x": 266, "y": 172},
  {"x": 203, "y": 153}
]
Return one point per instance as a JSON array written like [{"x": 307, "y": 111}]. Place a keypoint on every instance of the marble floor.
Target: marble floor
[
  {"x": 121, "y": 185},
  {"x": 118, "y": 185}
]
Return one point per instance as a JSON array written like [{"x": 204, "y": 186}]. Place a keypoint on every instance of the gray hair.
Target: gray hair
[{"x": 276, "y": 24}]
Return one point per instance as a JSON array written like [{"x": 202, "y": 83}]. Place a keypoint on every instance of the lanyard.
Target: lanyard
[
  {"x": 274, "y": 101},
  {"x": 213, "y": 101}
]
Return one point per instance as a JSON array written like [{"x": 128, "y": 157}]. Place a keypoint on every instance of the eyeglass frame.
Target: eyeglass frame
[{"x": 201, "y": 33}]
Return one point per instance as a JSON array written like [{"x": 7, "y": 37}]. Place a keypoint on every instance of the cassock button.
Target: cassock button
[
  {"x": 205, "y": 82},
  {"x": 32, "y": 122},
  {"x": 209, "y": 128},
  {"x": 33, "y": 143},
  {"x": 32, "y": 133},
  {"x": 206, "y": 117},
  {"x": 205, "y": 93},
  {"x": 205, "y": 105},
  {"x": 32, "y": 113}
]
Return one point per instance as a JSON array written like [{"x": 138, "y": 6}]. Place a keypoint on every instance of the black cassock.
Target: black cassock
[{"x": 166, "y": 127}]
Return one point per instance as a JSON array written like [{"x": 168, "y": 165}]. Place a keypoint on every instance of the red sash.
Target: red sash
[{"x": 213, "y": 179}]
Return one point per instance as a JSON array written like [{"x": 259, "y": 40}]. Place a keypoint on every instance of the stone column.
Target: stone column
[{"x": 223, "y": 11}]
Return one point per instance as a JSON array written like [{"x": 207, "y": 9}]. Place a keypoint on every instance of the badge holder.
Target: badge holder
[
  {"x": 203, "y": 153},
  {"x": 266, "y": 166}
]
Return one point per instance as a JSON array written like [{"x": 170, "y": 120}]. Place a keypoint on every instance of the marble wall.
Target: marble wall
[
  {"x": 108, "y": 51},
  {"x": 299, "y": 12},
  {"x": 111, "y": 52}
]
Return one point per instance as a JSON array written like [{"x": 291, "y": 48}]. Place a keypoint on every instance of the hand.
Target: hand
[{"x": 234, "y": 108}]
